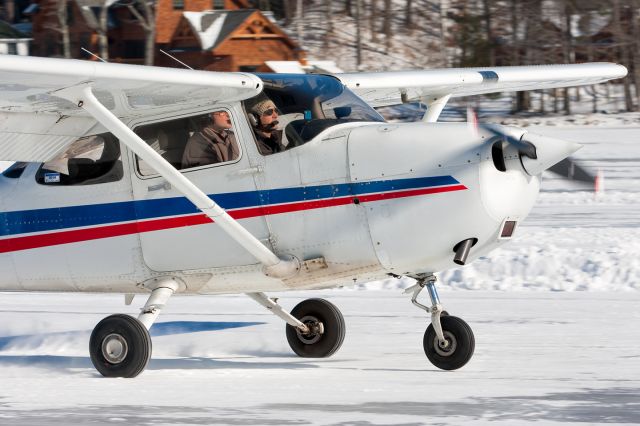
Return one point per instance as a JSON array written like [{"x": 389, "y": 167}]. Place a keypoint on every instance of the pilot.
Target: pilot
[
  {"x": 266, "y": 119},
  {"x": 214, "y": 143}
]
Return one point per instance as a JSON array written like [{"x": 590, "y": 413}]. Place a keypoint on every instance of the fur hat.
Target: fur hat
[{"x": 263, "y": 105}]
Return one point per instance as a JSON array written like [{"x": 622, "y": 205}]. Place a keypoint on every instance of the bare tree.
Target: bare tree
[
  {"x": 373, "y": 15},
  {"x": 623, "y": 51},
  {"x": 103, "y": 28},
  {"x": 62, "y": 10},
  {"x": 522, "y": 100},
  {"x": 567, "y": 44},
  {"x": 487, "y": 23},
  {"x": 289, "y": 10},
  {"x": 299, "y": 19},
  {"x": 358, "y": 34},
  {"x": 329, "y": 23},
  {"x": 347, "y": 8},
  {"x": 635, "y": 47},
  {"x": 387, "y": 25},
  {"x": 408, "y": 22},
  {"x": 147, "y": 19}
]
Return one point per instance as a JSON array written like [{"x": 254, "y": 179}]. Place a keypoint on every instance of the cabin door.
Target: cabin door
[{"x": 175, "y": 235}]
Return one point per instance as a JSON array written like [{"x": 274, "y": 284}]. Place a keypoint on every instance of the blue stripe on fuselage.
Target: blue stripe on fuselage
[{"x": 50, "y": 219}]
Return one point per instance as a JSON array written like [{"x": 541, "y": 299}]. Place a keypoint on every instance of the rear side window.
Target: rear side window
[{"x": 89, "y": 160}]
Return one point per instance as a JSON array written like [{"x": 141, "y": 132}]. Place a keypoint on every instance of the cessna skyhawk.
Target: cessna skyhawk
[{"x": 144, "y": 180}]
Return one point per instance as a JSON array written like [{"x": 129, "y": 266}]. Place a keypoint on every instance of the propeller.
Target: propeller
[
  {"x": 524, "y": 147},
  {"x": 566, "y": 168}
]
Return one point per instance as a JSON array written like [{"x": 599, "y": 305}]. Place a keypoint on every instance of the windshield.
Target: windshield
[{"x": 307, "y": 104}]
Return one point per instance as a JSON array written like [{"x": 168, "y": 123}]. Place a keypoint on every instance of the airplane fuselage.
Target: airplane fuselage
[{"x": 370, "y": 199}]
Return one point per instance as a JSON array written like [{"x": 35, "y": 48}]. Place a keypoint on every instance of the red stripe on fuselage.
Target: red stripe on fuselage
[{"x": 118, "y": 230}]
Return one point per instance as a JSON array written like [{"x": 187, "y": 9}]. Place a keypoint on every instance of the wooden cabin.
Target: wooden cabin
[{"x": 220, "y": 35}]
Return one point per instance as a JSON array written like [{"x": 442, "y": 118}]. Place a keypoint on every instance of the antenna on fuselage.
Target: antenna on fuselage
[
  {"x": 92, "y": 54},
  {"x": 176, "y": 59}
]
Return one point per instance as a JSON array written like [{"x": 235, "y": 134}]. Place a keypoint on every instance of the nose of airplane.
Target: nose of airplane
[{"x": 549, "y": 151}]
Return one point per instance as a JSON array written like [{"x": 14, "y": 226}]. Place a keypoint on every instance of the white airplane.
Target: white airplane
[{"x": 145, "y": 180}]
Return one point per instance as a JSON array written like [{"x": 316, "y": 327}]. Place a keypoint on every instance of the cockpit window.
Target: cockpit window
[
  {"x": 89, "y": 160},
  {"x": 294, "y": 108}
]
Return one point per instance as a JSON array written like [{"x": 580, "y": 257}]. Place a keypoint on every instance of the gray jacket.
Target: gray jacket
[{"x": 210, "y": 146}]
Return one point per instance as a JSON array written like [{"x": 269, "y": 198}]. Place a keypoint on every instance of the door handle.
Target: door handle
[{"x": 164, "y": 185}]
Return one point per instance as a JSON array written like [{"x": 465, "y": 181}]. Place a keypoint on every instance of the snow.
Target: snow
[
  {"x": 208, "y": 36},
  {"x": 550, "y": 358}
]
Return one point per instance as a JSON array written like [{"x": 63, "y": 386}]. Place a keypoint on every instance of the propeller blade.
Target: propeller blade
[{"x": 567, "y": 168}]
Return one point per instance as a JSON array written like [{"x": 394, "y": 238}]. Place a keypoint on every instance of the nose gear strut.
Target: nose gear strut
[
  {"x": 436, "y": 308},
  {"x": 448, "y": 342}
]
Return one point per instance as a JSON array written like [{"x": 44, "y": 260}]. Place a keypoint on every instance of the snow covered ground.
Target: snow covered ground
[{"x": 549, "y": 358}]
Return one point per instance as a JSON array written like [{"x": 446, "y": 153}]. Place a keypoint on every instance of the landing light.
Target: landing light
[{"x": 507, "y": 228}]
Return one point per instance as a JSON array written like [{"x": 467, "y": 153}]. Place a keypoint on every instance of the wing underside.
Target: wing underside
[
  {"x": 395, "y": 87},
  {"x": 35, "y": 124}
]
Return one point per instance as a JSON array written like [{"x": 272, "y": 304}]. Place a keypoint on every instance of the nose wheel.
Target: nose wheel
[
  {"x": 457, "y": 347},
  {"x": 448, "y": 341}
]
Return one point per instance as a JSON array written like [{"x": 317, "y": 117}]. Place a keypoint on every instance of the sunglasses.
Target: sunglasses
[{"x": 268, "y": 112}]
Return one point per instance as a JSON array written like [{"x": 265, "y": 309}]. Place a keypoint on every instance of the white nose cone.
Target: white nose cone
[{"x": 549, "y": 152}]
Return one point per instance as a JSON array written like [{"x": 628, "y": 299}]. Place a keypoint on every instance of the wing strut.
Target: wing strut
[
  {"x": 274, "y": 266},
  {"x": 435, "y": 105}
]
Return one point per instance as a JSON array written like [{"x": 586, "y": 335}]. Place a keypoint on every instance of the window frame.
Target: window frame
[{"x": 234, "y": 122}]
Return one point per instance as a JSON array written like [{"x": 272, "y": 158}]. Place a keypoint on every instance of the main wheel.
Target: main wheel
[
  {"x": 327, "y": 329},
  {"x": 459, "y": 348},
  {"x": 120, "y": 346}
]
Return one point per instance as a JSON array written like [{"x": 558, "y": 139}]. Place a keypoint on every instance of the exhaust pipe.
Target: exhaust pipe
[{"x": 462, "y": 250}]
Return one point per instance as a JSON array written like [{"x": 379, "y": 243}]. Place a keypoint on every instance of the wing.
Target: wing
[
  {"x": 35, "y": 124},
  {"x": 392, "y": 88}
]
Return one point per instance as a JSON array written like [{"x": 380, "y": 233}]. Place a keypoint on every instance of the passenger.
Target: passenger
[
  {"x": 215, "y": 143},
  {"x": 266, "y": 119}
]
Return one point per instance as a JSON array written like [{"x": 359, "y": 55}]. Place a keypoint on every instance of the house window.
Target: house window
[
  {"x": 178, "y": 4},
  {"x": 218, "y": 4},
  {"x": 12, "y": 48}
]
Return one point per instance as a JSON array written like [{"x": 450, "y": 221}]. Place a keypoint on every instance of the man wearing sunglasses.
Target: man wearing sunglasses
[{"x": 268, "y": 137}]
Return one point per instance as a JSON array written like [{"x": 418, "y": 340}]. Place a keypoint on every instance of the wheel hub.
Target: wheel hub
[
  {"x": 316, "y": 330},
  {"x": 114, "y": 348},
  {"x": 446, "y": 348}
]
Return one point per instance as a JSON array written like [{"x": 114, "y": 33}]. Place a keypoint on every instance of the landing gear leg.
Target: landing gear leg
[
  {"x": 315, "y": 327},
  {"x": 448, "y": 342},
  {"x": 120, "y": 345}
]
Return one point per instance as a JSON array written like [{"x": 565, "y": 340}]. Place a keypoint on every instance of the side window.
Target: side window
[
  {"x": 190, "y": 142},
  {"x": 89, "y": 160}
]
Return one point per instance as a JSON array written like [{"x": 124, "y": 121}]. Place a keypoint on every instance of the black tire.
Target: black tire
[
  {"x": 461, "y": 341},
  {"x": 130, "y": 348},
  {"x": 317, "y": 345}
]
